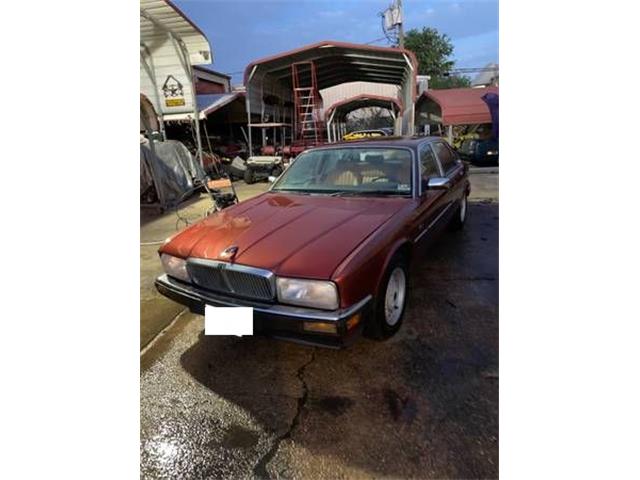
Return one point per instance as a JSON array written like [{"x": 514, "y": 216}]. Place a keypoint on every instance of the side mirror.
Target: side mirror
[{"x": 438, "y": 183}]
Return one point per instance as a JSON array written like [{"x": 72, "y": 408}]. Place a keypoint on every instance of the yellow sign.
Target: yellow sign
[{"x": 174, "y": 102}]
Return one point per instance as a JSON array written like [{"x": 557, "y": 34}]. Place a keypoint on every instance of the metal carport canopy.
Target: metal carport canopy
[
  {"x": 336, "y": 63},
  {"x": 460, "y": 106},
  {"x": 339, "y": 62},
  {"x": 170, "y": 44},
  {"x": 348, "y": 105},
  {"x": 211, "y": 102}
]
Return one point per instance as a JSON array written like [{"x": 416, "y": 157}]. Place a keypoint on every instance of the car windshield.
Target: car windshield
[{"x": 349, "y": 171}]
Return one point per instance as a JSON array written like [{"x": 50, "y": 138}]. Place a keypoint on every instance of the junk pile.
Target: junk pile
[{"x": 169, "y": 174}]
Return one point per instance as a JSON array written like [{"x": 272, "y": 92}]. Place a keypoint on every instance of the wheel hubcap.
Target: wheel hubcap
[
  {"x": 394, "y": 297},
  {"x": 463, "y": 209}
]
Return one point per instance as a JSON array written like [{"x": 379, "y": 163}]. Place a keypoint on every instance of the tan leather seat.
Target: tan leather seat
[{"x": 343, "y": 178}]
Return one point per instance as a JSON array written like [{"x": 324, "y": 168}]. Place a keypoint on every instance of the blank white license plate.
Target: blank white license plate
[{"x": 228, "y": 320}]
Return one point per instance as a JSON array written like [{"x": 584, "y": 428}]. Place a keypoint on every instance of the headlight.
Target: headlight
[
  {"x": 175, "y": 267},
  {"x": 308, "y": 293},
  {"x": 492, "y": 152}
]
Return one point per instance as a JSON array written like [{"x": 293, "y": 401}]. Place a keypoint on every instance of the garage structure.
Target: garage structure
[
  {"x": 336, "y": 114},
  {"x": 283, "y": 90},
  {"x": 170, "y": 45},
  {"x": 451, "y": 107},
  {"x": 224, "y": 118}
]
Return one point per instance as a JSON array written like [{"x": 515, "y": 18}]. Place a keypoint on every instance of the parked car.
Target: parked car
[
  {"x": 480, "y": 152},
  {"x": 325, "y": 254}
]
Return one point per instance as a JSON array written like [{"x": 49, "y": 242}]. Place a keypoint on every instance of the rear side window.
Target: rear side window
[
  {"x": 445, "y": 155},
  {"x": 428, "y": 165}
]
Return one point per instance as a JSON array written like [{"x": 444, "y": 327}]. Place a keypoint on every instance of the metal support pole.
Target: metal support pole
[
  {"x": 151, "y": 72},
  {"x": 450, "y": 134},
  {"x": 248, "y": 136},
  {"x": 183, "y": 54}
]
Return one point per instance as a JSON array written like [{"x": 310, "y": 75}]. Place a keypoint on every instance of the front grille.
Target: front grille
[{"x": 232, "y": 279}]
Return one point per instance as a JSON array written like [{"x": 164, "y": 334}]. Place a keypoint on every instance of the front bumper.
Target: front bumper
[{"x": 279, "y": 321}]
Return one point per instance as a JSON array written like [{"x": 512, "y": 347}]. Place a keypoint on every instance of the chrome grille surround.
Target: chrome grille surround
[{"x": 239, "y": 280}]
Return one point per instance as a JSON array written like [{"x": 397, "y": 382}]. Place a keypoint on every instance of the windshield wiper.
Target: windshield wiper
[
  {"x": 357, "y": 193},
  {"x": 291, "y": 190}
]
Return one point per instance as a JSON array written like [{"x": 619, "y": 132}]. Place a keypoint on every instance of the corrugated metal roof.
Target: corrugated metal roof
[
  {"x": 171, "y": 17},
  {"x": 209, "y": 103},
  {"x": 460, "y": 106},
  {"x": 338, "y": 62},
  {"x": 348, "y": 105},
  {"x": 163, "y": 78}
]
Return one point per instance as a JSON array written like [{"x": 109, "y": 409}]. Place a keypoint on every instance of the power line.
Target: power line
[{"x": 376, "y": 40}]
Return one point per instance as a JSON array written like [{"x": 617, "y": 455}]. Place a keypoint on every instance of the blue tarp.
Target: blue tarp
[{"x": 491, "y": 99}]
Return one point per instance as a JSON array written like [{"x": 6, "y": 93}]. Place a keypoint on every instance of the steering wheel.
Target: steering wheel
[{"x": 383, "y": 177}]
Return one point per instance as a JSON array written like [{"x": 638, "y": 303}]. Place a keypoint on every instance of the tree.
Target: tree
[
  {"x": 433, "y": 51},
  {"x": 452, "y": 81},
  {"x": 369, "y": 118}
]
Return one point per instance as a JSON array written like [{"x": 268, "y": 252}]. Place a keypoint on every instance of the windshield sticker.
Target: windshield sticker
[{"x": 403, "y": 187}]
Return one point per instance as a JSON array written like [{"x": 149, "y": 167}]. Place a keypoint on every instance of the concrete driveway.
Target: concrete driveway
[{"x": 424, "y": 404}]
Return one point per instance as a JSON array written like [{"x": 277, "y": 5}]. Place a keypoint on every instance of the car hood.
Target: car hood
[{"x": 292, "y": 235}]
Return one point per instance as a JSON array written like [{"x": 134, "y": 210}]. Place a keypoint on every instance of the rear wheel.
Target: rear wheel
[{"x": 390, "y": 302}]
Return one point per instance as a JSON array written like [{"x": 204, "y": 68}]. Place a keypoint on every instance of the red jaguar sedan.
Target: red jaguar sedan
[{"x": 324, "y": 254}]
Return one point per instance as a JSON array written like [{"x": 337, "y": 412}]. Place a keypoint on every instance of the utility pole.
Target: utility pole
[
  {"x": 393, "y": 23},
  {"x": 400, "y": 25}
]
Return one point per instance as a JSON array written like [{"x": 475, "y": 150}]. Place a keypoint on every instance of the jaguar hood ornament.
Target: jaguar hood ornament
[{"x": 229, "y": 253}]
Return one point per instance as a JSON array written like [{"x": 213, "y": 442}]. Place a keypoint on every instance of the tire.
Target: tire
[
  {"x": 390, "y": 302},
  {"x": 460, "y": 217},
  {"x": 276, "y": 171},
  {"x": 249, "y": 178}
]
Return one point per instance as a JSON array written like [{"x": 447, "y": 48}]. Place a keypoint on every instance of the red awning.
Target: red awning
[{"x": 461, "y": 106}]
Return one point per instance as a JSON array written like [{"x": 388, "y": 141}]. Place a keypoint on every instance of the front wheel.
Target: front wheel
[
  {"x": 460, "y": 217},
  {"x": 390, "y": 302}
]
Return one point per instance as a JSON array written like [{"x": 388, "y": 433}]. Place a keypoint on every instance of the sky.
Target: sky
[{"x": 241, "y": 31}]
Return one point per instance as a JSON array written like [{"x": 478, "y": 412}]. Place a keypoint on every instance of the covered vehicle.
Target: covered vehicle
[
  {"x": 168, "y": 172},
  {"x": 324, "y": 255}
]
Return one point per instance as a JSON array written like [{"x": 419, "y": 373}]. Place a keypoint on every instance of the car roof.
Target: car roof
[{"x": 405, "y": 141}]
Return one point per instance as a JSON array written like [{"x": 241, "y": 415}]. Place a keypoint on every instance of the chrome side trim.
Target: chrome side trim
[
  {"x": 210, "y": 298},
  {"x": 433, "y": 222}
]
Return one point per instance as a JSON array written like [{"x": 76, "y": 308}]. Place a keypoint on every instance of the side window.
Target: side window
[
  {"x": 445, "y": 155},
  {"x": 428, "y": 165}
]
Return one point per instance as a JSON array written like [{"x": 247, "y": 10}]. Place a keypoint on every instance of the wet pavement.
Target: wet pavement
[{"x": 423, "y": 404}]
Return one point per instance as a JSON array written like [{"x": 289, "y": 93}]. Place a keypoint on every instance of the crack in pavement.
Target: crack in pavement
[{"x": 260, "y": 469}]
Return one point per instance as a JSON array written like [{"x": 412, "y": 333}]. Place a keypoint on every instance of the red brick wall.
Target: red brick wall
[{"x": 206, "y": 86}]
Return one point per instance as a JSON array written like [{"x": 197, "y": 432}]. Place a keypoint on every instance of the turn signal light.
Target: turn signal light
[
  {"x": 322, "y": 327},
  {"x": 353, "y": 321}
]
